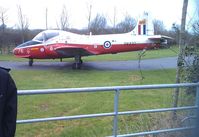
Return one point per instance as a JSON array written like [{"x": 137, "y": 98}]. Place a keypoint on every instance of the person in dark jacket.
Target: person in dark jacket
[{"x": 8, "y": 104}]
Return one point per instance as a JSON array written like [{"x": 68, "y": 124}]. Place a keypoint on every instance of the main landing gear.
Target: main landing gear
[
  {"x": 78, "y": 63},
  {"x": 30, "y": 63}
]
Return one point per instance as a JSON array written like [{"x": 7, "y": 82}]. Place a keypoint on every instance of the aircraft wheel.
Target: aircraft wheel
[
  {"x": 30, "y": 62},
  {"x": 76, "y": 66},
  {"x": 81, "y": 61}
]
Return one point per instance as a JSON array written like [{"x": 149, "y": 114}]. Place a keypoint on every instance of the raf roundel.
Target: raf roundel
[
  {"x": 107, "y": 44},
  {"x": 42, "y": 49}
]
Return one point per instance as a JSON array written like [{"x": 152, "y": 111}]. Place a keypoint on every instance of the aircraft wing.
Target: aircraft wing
[{"x": 68, "y": 51}]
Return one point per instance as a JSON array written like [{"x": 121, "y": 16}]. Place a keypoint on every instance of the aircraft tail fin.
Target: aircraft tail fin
[{"x": 144, "y": 25}]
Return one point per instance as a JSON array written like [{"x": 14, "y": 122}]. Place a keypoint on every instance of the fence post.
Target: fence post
[
  {"x": 196, "y": 132},
  {"x": 115, "y": 121}
]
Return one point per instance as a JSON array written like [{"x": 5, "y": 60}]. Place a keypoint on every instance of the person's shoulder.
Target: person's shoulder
[{"x": 4, "y": 70}]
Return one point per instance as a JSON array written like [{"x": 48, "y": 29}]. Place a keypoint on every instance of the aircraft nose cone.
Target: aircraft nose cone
[{"x": 15, "y": 51}]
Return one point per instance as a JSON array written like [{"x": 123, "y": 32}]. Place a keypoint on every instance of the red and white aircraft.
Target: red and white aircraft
[{"x": 51, "y": 44}]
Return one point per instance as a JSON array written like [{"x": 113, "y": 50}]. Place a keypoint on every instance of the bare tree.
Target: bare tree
[
  {"x": 63, "y": 21},
  {"x": 113, "y": 21},
  {"x": 98, "y": 24},
  {"x": 181, "y": 54},
  {"x": 126, "y": 25},
  {"x": 89, "y": 8},
  {"x": 46, "y": 18},
  {"x": 196, "y": 27},
  {"x": 191, "y": 71},
  {"x": 159, "y": 27},
  {"x": 23, "y": 22},
  {"x": 3, "y": 18},
  {"x": 176, "y": 31},
  {"x": 114, "y": 17}
]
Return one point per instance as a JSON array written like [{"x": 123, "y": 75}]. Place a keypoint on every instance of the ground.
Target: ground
[{"x": 147, "y": 64}]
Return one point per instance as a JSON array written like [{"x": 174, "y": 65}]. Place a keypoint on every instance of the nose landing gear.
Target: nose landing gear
[{"x": 30, "y": 63}]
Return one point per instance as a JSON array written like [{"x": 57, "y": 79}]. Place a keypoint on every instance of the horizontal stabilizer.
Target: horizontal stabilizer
[{"x": 157, "y": 37}]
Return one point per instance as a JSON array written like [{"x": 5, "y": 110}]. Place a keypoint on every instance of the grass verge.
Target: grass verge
[{"x": 39, "y": 106}]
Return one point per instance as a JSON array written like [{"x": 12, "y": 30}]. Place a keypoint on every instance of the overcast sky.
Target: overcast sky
[{"x": 169, "y": 11}]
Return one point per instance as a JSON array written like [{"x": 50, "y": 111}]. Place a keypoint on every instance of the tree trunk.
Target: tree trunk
[{"x": 180, "y": 55}]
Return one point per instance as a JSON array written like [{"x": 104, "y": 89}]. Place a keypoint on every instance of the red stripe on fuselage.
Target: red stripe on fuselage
[
  {"x": 139, "y": 29},
  {"x": 49, "y": 52},
  {"x": 117, "y": 48}
]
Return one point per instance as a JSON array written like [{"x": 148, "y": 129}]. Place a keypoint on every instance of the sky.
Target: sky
[{"x": 168, "y": 11}]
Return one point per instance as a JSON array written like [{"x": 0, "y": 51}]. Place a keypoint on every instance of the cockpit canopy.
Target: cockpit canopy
[
  {"x": 46, "y": 35},
  {"x": 41, "y": 37}
]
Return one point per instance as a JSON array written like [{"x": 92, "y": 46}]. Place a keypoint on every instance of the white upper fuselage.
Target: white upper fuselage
[{"x": 126, "y": 38}]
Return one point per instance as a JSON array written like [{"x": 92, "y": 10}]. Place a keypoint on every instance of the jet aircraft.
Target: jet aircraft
[{"x": 52, "y": 44}]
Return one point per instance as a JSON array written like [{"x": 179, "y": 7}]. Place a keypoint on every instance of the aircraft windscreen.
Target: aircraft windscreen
[
  {"x": 29, "y": 43},
  {"x": 49, "y": 35},
  {"x": 38, "y": 37},
  {"x": 46, "y": 35}
]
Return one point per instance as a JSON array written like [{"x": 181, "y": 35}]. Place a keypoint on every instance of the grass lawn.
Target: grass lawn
[
  {"x": 39, "y": 106},
  {"x": 157, "y": 53}
]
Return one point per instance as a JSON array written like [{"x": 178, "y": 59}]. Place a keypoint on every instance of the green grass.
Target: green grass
[
  {"x": 156, "y": 53},
  {"x": 38, "y": 106},
  {"x": 35, "y": 79}
]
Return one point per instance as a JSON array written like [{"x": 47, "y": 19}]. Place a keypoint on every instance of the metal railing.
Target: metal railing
[{"x": 116, "y": 113}]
